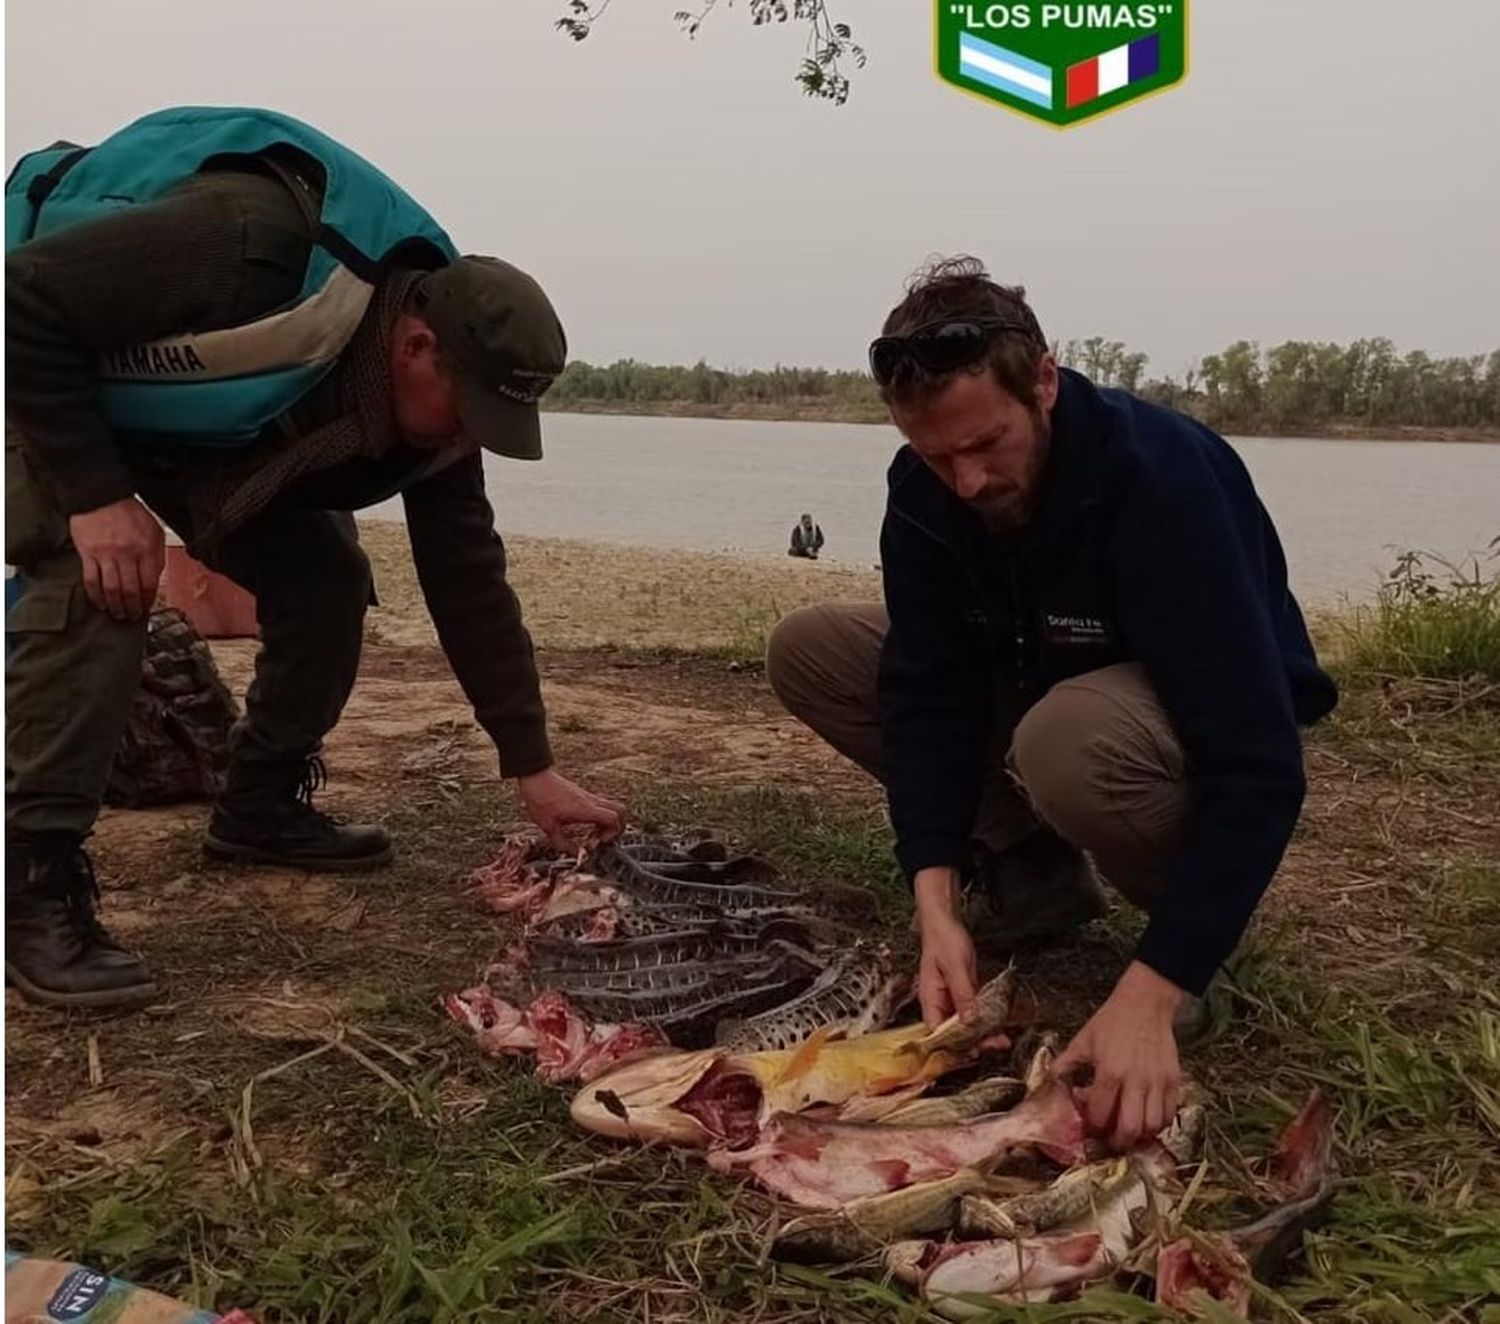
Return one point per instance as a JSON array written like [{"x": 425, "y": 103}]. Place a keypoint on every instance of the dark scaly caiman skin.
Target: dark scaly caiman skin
[
  {"x": 858, "y": 987},
  {"x": 644, "y": 883}
]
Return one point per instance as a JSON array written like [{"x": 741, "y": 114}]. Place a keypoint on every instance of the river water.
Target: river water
[{"x": 1341, "y": 507}]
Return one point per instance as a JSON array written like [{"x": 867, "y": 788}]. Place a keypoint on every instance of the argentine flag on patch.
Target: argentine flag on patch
[{"x": 1004, "y": 70}]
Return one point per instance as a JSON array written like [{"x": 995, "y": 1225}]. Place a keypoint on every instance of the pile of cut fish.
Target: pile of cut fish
[
  {"x": 699, "y": 1005},
  {"x": 645, "y": 944}
]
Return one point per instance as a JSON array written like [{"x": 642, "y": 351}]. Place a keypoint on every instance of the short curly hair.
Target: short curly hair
[{"x": 952, "y": 288}]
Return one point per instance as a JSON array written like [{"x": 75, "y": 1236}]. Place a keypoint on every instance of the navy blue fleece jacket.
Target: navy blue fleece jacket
[{"x": 1148, "y": 545}]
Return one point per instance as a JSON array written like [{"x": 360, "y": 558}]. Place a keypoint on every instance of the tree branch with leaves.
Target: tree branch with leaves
[{"x": 830, "y": 45}]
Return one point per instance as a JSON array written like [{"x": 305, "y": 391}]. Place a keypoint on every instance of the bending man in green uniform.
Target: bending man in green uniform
[{"x": 227, "y": 319}]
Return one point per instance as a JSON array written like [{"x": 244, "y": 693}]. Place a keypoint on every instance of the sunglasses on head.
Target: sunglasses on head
[{"x": 939, "y": 347}]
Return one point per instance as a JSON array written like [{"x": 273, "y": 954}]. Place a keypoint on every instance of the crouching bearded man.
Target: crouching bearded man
[{"x": 1087, "y": 655}]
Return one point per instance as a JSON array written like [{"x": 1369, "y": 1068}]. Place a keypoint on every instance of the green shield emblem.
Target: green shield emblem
[{"x": 1061, "y": 62}]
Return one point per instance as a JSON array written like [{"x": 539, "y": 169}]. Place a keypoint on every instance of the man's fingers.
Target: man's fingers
[
  {"x": 932, "y": 992},
  {"x": 962, "y": 990},
  {"x": 1128, "y": 1115},
  {"x": 609, "y": 819},
  {"x": 556, "y": 828},
  {"x": 550, "y": 825},
  {"x": 942, "y": 1007},
  {"x": 109, "y": 586},
  {"x": 955, "y": 1002},
  {"x": 130, "y": 590},
  {"x": 960, "y": 979},
  {"x": 1154, "y": 1117},
  {"x": 151, "y": 567},
  {"x": 1103, "y": 1096},
  {"x": 92, "y": 586},
  {"x": 1075, "y": 1055}
]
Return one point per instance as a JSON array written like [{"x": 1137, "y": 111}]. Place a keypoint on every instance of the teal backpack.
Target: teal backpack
[{"x": 224, "y": 386}]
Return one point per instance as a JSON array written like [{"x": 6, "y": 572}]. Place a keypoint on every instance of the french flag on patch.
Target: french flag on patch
[{"x": 1113, "y": 70}]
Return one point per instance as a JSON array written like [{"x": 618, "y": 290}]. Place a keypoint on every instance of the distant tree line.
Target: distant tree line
[
  {"x": 630, "y": 382},
  {"x": 1314, "y": 382},
  {"x": 1298, "y": 384}
]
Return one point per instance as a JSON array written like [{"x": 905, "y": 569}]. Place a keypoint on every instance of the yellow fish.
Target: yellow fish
[{"x": 698, "y": 1098}]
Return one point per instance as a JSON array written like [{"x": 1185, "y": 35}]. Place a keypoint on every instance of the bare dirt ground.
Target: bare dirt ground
[{"x": 263, "y": 1135}]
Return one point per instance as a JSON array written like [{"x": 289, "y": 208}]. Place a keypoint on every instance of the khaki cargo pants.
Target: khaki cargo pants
[
  {"x": 71, "y": 669},
  {"x": 1096, "y": 759}
]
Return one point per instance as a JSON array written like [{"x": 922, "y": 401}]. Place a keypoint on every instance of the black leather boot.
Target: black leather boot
[
  {"x": 266, "y": 814},
  {"x": 56, "y": 951},
  {"x": 1040, "y": 888}
]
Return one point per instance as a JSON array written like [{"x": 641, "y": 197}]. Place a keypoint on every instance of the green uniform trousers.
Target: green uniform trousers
[{"x": 71, "y": 670}]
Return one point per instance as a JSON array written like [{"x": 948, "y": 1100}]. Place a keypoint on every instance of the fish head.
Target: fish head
[
  {"x": 638, "y": 1100},
  {"x": 1183, "y": 1136},
  {"x": 1039, "y": 1069},
  {"x": 907, "y": 1261},
  {"x": 988, "y": 1016},
  {"x": 1209, "y": 1266},
  {"x": 982, "y": 1216},
  {"x": 1020, "y": 1270},
  {"x": 827, "y": 1234},
  {"x": 1304, "y": 1150}
]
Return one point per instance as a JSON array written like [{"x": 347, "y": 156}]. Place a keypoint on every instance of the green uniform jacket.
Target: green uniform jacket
[{"x": 222, "y": 249}]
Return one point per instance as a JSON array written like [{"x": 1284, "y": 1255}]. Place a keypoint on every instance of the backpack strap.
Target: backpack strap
[{"x": 41, "y": 186}]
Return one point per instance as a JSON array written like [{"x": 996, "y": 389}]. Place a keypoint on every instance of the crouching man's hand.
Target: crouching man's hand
[
  {"x": 948, "y": 975},
  {"x": 561, "y": 808},
  {"x": 1129, "y": 1042}
]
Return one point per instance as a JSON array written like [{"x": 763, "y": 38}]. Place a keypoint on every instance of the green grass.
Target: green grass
[
  {"x": 1388, "y": 1257},
  {"x": 1431, "y": 619},
  {"x": 1414, "y": 1231}
]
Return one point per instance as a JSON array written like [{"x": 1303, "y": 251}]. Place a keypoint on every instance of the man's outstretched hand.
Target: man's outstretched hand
[
  {"x": 561, "y": 808},
  {"x": 1137, "y": 1084}
]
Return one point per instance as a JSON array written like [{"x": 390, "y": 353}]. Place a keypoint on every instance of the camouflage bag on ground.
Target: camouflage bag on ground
[{"x": 176, "y": 746}]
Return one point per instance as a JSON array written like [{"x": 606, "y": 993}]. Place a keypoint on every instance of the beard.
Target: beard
[{"x": 1011, "y": 510}]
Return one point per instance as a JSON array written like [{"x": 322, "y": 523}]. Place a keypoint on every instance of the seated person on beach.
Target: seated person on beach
[
  {"x": 807, "y": 539},
  {"x": 155, "y": 363},
  {"x": 1087, "y": 644}
]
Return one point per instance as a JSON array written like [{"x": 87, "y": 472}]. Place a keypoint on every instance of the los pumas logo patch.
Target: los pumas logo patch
[{"x": 1062, "y": 63}]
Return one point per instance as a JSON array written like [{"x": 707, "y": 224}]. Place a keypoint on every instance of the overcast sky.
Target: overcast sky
[{"x": 1327, "y": 170}]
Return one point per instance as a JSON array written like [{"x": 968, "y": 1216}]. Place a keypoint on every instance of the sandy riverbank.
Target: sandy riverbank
[{"x": 580, "y": 594}]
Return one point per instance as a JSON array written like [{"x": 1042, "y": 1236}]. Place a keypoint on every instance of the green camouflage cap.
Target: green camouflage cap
[{"x": 499, "y": 333}]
